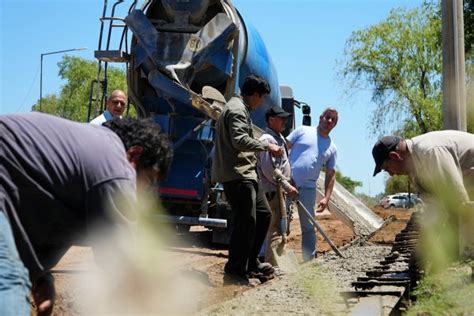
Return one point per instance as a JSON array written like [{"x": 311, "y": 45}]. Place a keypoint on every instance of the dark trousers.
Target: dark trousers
[{"x": 250, "y": 224}]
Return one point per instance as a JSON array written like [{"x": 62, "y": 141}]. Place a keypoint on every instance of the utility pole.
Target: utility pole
[
  {"x": 454, "y": 89},
  {"x": 41, "y": 69}
]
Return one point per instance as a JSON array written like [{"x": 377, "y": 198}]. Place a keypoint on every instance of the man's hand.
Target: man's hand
[
  {"x": 275, "y": 150},
  {"x": 44, "y": 294},
  {"x": 292, "y": 191},
  {"x": 322, "y": 205}
]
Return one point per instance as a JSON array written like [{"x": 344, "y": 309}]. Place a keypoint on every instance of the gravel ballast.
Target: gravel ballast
[{"x": 313, "y": 290}]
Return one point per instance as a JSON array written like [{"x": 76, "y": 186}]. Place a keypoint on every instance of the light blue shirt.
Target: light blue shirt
[
  {"x": 101, "y": 119},
  {"x": 309, "y": 153}
]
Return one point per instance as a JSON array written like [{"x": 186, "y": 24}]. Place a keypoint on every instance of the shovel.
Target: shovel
[{"x": 285, "y": 259}]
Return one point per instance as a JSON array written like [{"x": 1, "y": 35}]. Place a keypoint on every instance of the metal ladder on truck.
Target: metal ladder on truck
[{"x": 104, "y": 54}]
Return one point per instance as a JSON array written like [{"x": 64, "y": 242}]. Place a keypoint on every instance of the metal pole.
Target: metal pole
[
  {"x": 454, "y": 92},
  {"x": 41, "y": 82},
  {"x": 41, "y": 69}
]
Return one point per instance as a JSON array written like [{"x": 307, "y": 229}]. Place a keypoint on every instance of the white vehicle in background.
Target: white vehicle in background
[{"x": 402, "y": 200}]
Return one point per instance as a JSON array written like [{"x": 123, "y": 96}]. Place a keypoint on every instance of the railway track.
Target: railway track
[{"x": 385, "y": 290}]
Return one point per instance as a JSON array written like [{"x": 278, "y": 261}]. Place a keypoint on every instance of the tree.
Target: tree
[
  {"x": 347, "y": 182},
  {"x": 397, "y": 184},
  {"x": 370, "y": 201},
  {"x": 73, "y": 99},
  {"x": 399, "y": 59},
  {"x": 468, "y": 12},
  {"x": 470, "y": 97}
]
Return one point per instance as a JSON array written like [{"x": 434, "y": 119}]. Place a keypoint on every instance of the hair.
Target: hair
[
  {"x": 329, "y": 109},
  {"x": 157, "y": 149},
  {"x": 255, "y": 84}
]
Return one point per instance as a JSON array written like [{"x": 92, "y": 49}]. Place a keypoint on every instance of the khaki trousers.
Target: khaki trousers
[{"x": 273, "y": 237}]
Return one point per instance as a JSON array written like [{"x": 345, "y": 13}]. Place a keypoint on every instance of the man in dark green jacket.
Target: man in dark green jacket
[{"x": 234, "y": 165}]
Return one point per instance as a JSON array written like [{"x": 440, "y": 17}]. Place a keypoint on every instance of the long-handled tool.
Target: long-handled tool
[
  {"x": 283, "y": 216},
  {"x": 286, "y": 259},
  {"x": 319, "y": 228}
]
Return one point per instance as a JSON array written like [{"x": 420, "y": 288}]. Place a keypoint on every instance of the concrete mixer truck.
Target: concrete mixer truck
[{"x": 184, "y": 59}]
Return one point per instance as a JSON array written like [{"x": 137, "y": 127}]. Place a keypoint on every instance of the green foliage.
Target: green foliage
[
  {"x": 368, "y": 200},
  {"x": 347, "y": 182},
  {"x": 468, "y": 11},
  {"x": 399, "y": 59},
  {"x": 397, "y": 184},
  {"x": 73, "y": 99},
  {"x": 470, "y": 96},
  {"x": 446, "y": 293}
]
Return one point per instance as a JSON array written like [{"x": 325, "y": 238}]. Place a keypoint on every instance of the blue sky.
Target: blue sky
[{"x": 305, "y": 38}]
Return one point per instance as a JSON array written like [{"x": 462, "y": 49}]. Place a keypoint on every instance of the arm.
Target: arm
[
  {"x": 111, "y": 219},
  {"x": 241, "y": 139},
  {"x": 268, "y": 163},
  {"x": 329, "y": 186},
  {"x": 44, "y": 294},
  {"x": 329, "y": 180}
]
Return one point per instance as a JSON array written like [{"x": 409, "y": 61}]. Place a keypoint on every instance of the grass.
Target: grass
[{"x": 450, "y": 292}]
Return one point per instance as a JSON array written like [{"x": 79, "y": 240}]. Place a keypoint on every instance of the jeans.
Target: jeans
[
  {"x": 307, "y": 197},
  {"x": 14, "y": 282},
  {"x": 249, "y": 227}
]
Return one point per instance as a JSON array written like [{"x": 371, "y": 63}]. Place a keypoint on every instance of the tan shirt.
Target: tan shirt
[{"x": 444, "y": 163}]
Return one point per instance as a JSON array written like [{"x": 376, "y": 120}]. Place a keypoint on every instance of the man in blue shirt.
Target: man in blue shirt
[{"x": 311, "y": 149}]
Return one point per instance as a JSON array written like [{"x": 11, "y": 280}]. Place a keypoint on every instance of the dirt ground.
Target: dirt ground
[{"x": 202, "y": 262}]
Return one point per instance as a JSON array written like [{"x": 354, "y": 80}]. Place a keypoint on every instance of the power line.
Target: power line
[{"x": 29, "y": 90}]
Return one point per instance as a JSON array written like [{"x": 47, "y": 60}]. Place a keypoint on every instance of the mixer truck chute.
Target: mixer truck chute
[{"x": 178, "y": 50}]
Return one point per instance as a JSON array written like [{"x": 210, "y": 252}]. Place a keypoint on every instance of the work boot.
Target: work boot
[
  {"x": 235, "y": 279},
  {"x": 260, "y": 276},
  {"x": 259, "y": 267}
]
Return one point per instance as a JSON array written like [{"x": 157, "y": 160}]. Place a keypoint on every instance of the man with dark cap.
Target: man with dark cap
[
  {"x": 441, "y": 164},
  {"x": 430, "y": 160},
  {"x": 276, "y": 119}
]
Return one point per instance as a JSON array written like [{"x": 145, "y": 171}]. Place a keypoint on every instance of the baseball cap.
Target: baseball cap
[
  {"x": 277, "y": 111},
  {"x": 381, "y": 150}
]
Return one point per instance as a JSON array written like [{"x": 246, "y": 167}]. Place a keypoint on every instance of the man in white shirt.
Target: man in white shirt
[{"x": 116, "y": 104}]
